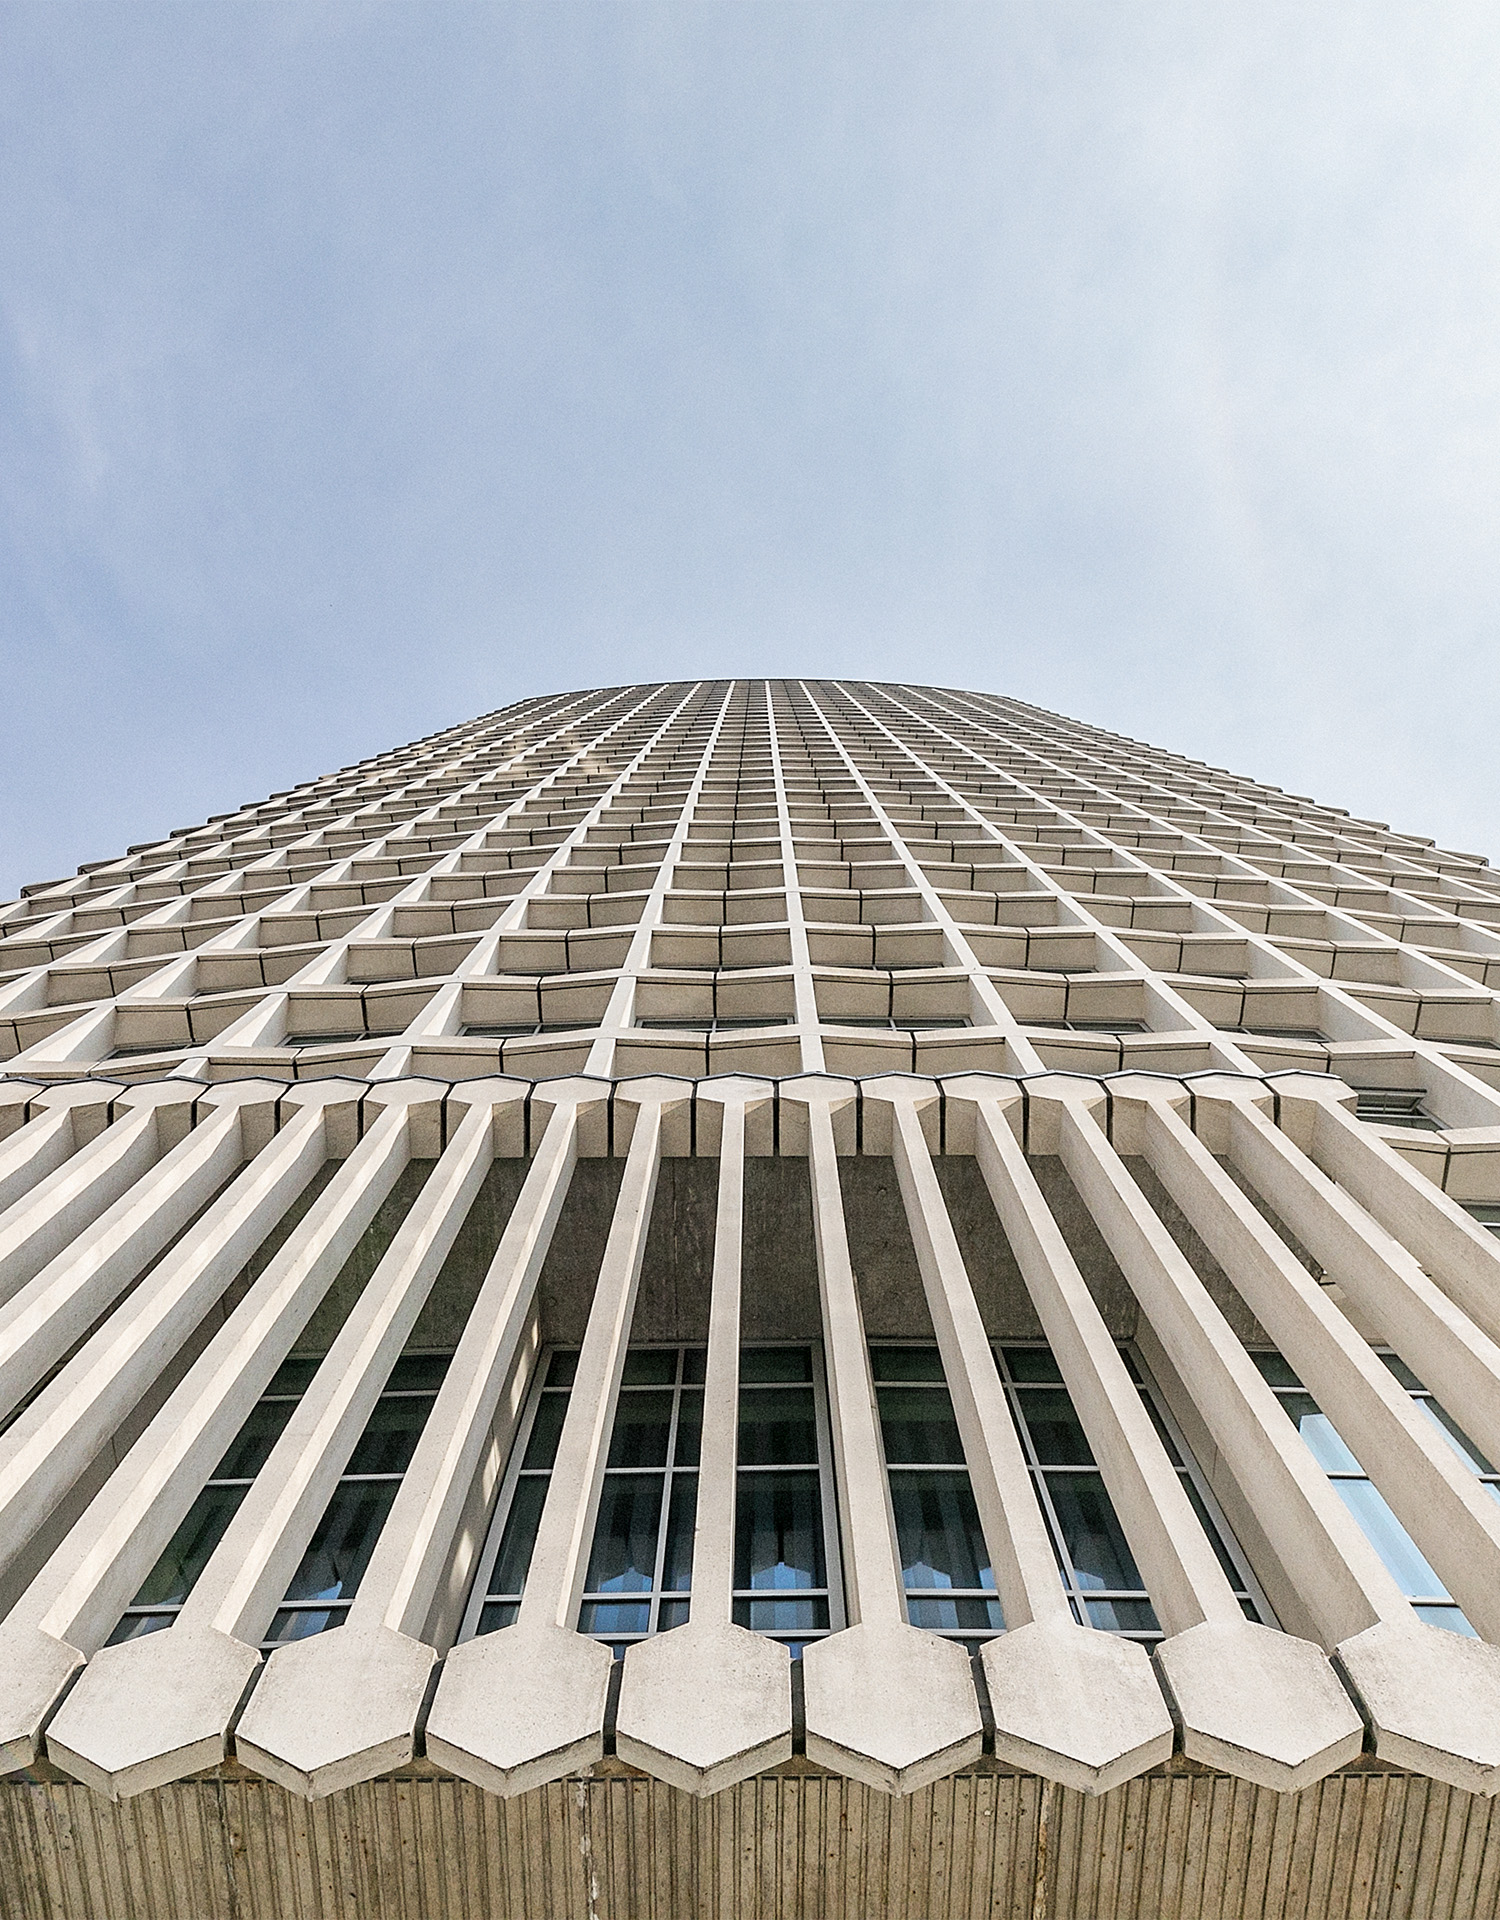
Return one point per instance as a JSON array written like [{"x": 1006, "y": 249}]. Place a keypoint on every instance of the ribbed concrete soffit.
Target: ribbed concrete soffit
[{"x": 753, "y": 1297}]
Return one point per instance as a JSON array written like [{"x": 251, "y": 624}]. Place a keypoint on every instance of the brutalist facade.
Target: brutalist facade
[{"x": 753, "y": 1297}]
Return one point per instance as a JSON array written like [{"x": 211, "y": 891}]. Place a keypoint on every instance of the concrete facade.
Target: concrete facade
[{"x": 409, "y": 1183}]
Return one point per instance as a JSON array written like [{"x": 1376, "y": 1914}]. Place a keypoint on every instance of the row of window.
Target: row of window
[{"x": 786, "y": 1560}]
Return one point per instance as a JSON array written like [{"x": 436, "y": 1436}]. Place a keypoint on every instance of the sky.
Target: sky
[{"x": 365, "y": 367}]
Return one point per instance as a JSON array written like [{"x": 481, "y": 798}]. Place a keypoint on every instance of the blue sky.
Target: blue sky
[{"x": 366, "y": 366}]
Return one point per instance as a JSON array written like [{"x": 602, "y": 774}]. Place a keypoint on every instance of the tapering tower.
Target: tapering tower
[{"x": 773, "y": 1256}]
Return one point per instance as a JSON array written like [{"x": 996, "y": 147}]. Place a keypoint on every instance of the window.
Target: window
[
  {"x": 1098, "y": 1570},
  {"x": 1393, "y": 1107},
  {"x": 918, "y": 1023},
  {"x": 1280, "y": 1033},
  {"x": 719, "y": 1023},
  {"x": 639, "y": 1574},
  {"x": 471, "y": 1031},
  {"x": 1403, "y": 1559},
  {"x": 945, "y": 1564},
  {"x": 1486, "y": 1216},
  {"x": 1091, "y": 1026},
  {"x": 786, "y": 1538},
  {"x": 338, "y": 1553},
  {"x": 175, "y": 1574}
]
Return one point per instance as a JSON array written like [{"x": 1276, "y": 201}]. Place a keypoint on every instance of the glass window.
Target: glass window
[
  {"x": 639, "y": 1575},
  {"x": 175, "y": 1574},
  {"x": 330, "y": 1571},
  {"x": 786, "y": 1563},
  {"x": 1103, "y": 1583},
  {"x": 1393, "y": 1107},
  {"x": 1402, "y": 1557},
  {"x": 945, "y": 1564}
]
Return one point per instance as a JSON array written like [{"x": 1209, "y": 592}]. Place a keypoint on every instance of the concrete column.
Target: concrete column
[
  {"x": 71, "y": 1607},
  {"x": 1077, "y": 1706},
  {"x": 525, "y": 1705},
  {"x": 1430, "y": 1228},
  {"x": 885, "y": 1702},
  {"x": 1451, "y": 1730},
  {"x": 44, "y": 1221},
  {"x": 49, "y": 1313},
  {"x": 157, "y": 1708},
  {"x": 371, "y": 1676},
  {"x": 1448, "y": 1512},
  {"x": 34, "y": 1150},
  {"x": 1452, "y": 1356},
  {"x": 1249, "y": 1700},
  {"x": 664, "y": 1723}
]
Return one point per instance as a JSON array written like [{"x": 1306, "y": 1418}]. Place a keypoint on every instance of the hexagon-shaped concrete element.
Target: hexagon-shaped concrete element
[
  {"x": 705, "y": 1705},
  {"x": 1433, "y": 1699},
  {"x": 1259, "y": 1704},
  {"x": 890, "y": 1705},
  {"x": 520, "y": 1707},
  {"x": 1075, "y": 1705},
  {"x": 35, "y": 1671},
  {"x": 152, "y": 1710},
  {"x": 336, "y": 1709}
]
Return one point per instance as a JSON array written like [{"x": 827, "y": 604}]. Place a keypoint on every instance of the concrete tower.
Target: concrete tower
[{"x": 853, "y": 1299}]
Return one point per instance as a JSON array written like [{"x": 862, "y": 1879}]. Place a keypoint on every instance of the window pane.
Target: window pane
[
  {"x": 171, "y": 1580},
  {"x": 1032, "y": 1363},
  {"x": 253, "y": 1443},
  {"x": 340, "y": 1549},
  {"x": 1318, "y": 1431},
  {"x": 390, "y": 1436},
  {"x": 1122, "y": 1616},
  {"x": 1093, "y": 1536},
  {"x": 906, "y": 1363},
  {"x": 643, "y": 1422},
  {"x": 650, "y": 1367},
  {"x": 778, "y": 1426},
  {"x": 918, "y": 1426},
  {"x": 782, "y": 1616},
  {"x": 768, "y": 1364},
  {"x": 135, "y": 1625},
  {"x": 624, "y": 1555},
  {"x": 1403, "y": 1558},
  {"x": 779, "y": 1532},
  {"x": 519, "y": 1537},
  {"x": 615, "y": 1616},
  {"x": 546, "y": 1430},
  {"x": 677, "y": 1564},
  {"x": 937, "y": 1531},
  {"x": 1056, "y": 1432},
  {"x": 955, "y": 1616},
  {"x": 689, "y": 1428},
  {"x": 418, "y": 1373},
  {"x": 301, "y": 1623}
]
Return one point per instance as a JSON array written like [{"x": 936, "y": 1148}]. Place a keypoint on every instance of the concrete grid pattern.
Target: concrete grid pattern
[{"x": 1184, "y": 1092}]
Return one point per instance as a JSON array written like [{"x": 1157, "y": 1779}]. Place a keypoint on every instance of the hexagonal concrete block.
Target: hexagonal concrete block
[
  {"x": 336, "y": 1709},
  {"x": 705, "y": 1705},
  {"x": 520, "y": 1707},
  {"x": 890, "y": 1705},
  {"x": 1075, "y": 1705},
  {"x": 152, "y": 1710},
  {"x": 1433, "y": 1699},
  {"x": 35, "y": 1672},
  {"x": 1259, "y": 1704}
]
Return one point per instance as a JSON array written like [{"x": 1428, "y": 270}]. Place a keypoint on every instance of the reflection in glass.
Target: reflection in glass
[{"x": 1400, "y": 1554}]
